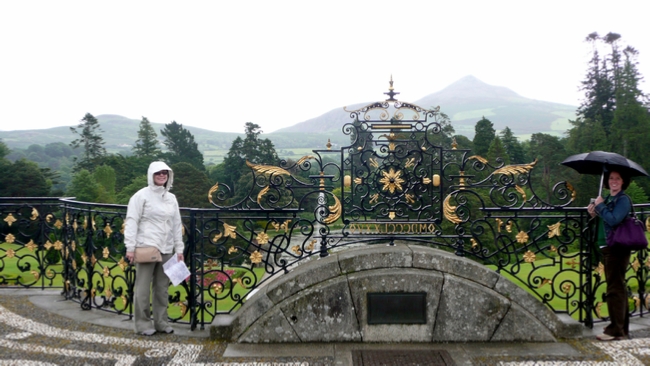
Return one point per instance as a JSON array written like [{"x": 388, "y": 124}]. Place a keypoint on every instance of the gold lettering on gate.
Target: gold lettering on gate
[{"x": 392, "y": 228}]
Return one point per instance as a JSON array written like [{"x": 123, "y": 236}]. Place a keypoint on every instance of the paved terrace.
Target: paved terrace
[{"x": 40, "y": 328}]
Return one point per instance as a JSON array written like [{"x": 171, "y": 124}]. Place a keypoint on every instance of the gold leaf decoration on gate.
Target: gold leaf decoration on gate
[
  {"x": 521, "y": 192},
  {"x": 264, "y": 191},
  {"x": 267, "y": 169},
  {"x": 569, "y": 186},
  {"x": 10, "y": 238},
  {"x": 479, "y": 158},
  {"x": 303, "y": 159},
  {"x": 554, "y": 230},
  {"x": 636, "y": 265},
  {"x": 566, "y": 288},
  {"x": 105, "y": 253},
  {"x": 10, "y": 219},
  {"x": 296, "y": 249},
  {"x": 545, "y": 281},
  {"x": 34, "y": 214},
  {"x": 335, "y": 212},
  {"x": 213, "y": 189},
  {"x": 450, "y": 211},
  {"x": 516, "y": 168}
]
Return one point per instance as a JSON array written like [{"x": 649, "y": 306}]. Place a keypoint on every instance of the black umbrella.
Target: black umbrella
[{"x": 598, "y": 162}]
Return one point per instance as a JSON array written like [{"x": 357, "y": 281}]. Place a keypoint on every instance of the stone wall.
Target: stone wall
[{"x": 325, "y": 300}]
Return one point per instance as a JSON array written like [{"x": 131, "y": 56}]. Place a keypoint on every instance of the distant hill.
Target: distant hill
[
  {"x": 120, "y": 133},
  {"x": 466, "y": 101}
]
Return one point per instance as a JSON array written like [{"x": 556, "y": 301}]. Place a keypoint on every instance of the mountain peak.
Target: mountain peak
[{"x": 470, "y": 84}]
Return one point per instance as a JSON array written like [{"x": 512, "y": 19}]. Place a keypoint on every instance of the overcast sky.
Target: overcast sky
[{"x": 220, "y": 64}]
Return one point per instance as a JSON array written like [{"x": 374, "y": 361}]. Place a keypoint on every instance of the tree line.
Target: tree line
[{"x": 613, "y": 116}]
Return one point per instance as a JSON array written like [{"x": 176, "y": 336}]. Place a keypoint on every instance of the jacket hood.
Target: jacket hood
[{"x": 157, "y": 166}]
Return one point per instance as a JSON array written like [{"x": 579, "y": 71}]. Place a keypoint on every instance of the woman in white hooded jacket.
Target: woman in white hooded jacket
[{"x": 153, "y": 219}]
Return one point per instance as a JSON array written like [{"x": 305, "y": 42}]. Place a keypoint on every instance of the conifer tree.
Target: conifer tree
[
  {"x": 484, "y": 134},
  {"x": 147, "y": 144},
  {"x": 181, "y": 145},
  {"x": 92, "y": 142}
]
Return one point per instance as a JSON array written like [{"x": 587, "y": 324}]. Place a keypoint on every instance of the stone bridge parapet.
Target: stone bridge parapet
[{"x": 326, "y": 300}]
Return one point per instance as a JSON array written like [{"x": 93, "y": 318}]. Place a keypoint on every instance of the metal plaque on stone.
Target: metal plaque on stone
[{"x": 397, "y": 308}]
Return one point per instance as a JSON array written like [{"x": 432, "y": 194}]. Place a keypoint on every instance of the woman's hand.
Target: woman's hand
[
  {"x": 180, "y": 257},
  {"x": 129, "y": 257},
  {"x": 592, "y": 209},
  {"x": 599, "y": 200}
]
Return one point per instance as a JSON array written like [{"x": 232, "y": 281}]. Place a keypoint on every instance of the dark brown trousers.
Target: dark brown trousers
[{"x": 616, "y": 261}]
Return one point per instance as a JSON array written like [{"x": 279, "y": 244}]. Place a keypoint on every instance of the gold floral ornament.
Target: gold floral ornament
[
  {"x": 374, "y": 198},
  {"x": 106, "y": 271},
  {"x": 217, "y": 288},
  {"x": 474, "y": 243},
  {"x": 34, "y": 214},
  {"x": 392, "y": 180},
  {"x": 600, "y": 269},
  {"x": 509, "y": 226},
  {"x": 554, "y": 230},
  {"x": 296, "y": 249},
  {"x": 529, "y": 257},
  {"x": 58, "y": 245},
  {"x": 10, "y": 219},
  {"x": 31, "y": 245},
  {"x": 108, "y": 293},
  {"x": 48, "y": 245},
  {"x": 10, "y": 253},
  {"x": 566, "y": 288},
  {"x": 262, "y": 238},
  {"x": 122, "y": 263},
  {"x": 232, "y": 250},
  {"x": 10, "y": 238},
  {"x": 573, "y": 263},
  {"x": 310, "y": 247},
  {"x": 256, "y": 257},
  {"x": 522, "y": 237},
  {"x": 636, "y": 265},
  {"x": 108, "y": 231},
  {"x": 105, "y": 253}
]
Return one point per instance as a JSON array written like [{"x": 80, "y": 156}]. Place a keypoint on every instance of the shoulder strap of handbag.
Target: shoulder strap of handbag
[{"x": 631, "y": 203}]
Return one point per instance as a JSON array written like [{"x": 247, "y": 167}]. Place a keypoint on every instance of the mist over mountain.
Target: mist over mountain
[{"x": 465, "y": 101}]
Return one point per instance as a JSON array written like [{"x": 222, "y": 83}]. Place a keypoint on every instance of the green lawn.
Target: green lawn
[{"x": 24, "y": 257}]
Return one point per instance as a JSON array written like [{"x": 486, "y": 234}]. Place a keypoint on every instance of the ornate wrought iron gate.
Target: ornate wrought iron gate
[{"x": 394, "y": 182}]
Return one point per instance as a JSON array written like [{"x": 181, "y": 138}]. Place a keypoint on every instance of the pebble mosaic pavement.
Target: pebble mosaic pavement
[{"x": 30, "y": 336}]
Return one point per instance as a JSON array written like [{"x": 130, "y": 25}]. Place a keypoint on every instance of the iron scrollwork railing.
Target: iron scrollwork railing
[{"x": 394, "y": 183}]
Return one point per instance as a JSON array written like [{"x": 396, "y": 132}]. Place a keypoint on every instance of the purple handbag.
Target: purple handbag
[{"x": 629, "y": 234}]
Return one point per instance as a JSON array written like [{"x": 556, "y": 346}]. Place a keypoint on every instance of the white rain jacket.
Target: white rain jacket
[{"x": 153, "y": 217}]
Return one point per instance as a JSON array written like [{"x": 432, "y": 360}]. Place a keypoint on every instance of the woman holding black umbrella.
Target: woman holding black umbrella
[{"x": 611, "y": 211}]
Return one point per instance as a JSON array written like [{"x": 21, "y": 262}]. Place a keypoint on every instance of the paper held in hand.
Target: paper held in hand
[{"x": 175, "y": 270}]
